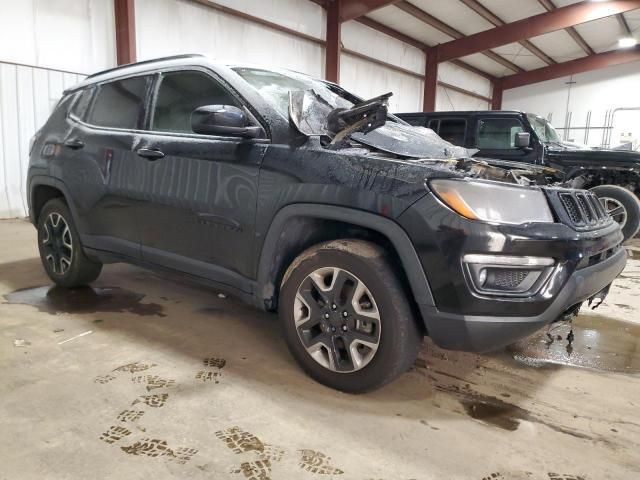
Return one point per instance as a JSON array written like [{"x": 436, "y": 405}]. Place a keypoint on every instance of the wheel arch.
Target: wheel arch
[
  {"x": 297, "y": 227},
  {"x": 41, "y": 190}
]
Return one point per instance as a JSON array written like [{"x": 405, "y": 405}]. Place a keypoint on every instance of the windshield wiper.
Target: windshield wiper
[{"x": 364, "y": 117}]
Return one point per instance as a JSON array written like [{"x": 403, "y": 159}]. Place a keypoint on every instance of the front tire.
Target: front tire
[
  {"x": 622, "y": 205},
  {"x": 346, "y": 317},
  {"x": 60, "y": 249}
]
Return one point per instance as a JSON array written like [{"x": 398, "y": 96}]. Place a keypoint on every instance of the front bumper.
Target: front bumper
[
  {"x": 480, "y": 333},
  {"x": 462, "y": 318}
]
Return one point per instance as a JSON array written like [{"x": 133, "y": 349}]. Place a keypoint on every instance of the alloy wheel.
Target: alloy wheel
[
  {"x": 337, "y": 319},
  {"x": 615, "y": 209},
  {"x": 57, "y": 244}
]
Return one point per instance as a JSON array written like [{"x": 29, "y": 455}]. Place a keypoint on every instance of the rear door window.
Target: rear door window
[
  {"x": 120, "y": 104},
  {"x": 453, "y": 130},
  {"x": 498, "y": 133}
]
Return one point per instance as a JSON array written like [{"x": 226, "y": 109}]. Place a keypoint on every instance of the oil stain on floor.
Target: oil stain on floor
[
  {"x": 54, "y": 300},
  {"x": 600, "y": 343}
]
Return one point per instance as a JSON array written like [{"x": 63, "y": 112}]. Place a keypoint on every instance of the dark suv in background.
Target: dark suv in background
[
  {"x": 363, "y": 232},
  {"x": 613, "y": 175}
]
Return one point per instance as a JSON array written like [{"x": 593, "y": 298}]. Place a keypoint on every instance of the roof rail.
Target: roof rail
[{"x": 173, "y": 57}]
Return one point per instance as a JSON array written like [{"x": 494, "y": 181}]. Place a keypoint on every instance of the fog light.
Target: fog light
[
  {"x": 482, "y": 276},
  {"x": 507, "y": 275}
]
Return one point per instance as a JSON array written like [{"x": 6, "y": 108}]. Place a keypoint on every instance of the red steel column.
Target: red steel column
[
  {"x": 333, "y": 44},
  {"x": 125, "y": 17},
  {"x": 496, "y": 97},
  {"x": 431, "y": 80}
]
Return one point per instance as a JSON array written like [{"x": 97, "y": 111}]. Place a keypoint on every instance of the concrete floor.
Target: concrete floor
[{"x": 147, "y": 377}]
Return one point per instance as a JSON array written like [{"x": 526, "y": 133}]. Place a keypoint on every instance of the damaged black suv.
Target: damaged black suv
[{"x": 363, "y": 232}]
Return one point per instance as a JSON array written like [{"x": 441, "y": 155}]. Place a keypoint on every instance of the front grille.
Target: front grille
[{"x": 579, "y": 208}]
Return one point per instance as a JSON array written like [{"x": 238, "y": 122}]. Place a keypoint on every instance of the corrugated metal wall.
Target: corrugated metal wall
[{"x": 27, "y": 95}]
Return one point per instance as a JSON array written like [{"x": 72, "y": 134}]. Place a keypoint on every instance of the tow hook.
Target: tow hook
[{"x": 599, "y": 297}]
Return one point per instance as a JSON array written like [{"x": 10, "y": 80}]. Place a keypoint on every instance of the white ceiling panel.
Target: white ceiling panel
[
  {"x": 558, "y": 45},
  {"x": 455, "y": 14},
  {"x": 633, "y": 19},
  {"x": 403, "y": 22},
  {"x": 511, "y": 11},
  {"x": 601, "y": 34},
  {"x": 516, "y": 53}
]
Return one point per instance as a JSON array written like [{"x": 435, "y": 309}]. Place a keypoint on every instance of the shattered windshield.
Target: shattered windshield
[
  {"x": 275, "y": 88},
  {"x": 545, "y": 131},
  {"x": 319, "y": 108}
]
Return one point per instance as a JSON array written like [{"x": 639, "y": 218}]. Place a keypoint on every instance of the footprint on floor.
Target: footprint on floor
[
  {"x": 156, "y": 400},
  {"x": 134, "y": 367},
  {"x": 114, "y": 434},
  {"x": 317, "y": 462},
  {"x": 258, "y": 470},
  {"x": 240, "y": 441},
  {"x": 104, "y": 379},
  {"x": 130, "y": 416},
  {"x": 214, "y": 362},
  {"x": 509, "y": 476},
  {"x": 208, "y": 376},
  {"x": 153, "y": 381},
  {"x": 153, "y": 447}
]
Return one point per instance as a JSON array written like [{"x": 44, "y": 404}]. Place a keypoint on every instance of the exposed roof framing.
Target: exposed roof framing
[
  {"x": 496, "y": 21},
  {"x": 573, "y": 33},
  {"x": 423, "y": 16},
  {"x": 369, "y": 22},
  {"x": 584, "y": 64},
  {"x": 624, "y": 25},
  {"x": 352, "y": 9},
  {"x": 558, "y": 19}
]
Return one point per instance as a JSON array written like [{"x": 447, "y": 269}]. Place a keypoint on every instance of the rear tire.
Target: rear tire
[
  {"x": 622, "y": 205},
  {"x": 60, "y": 249},
  {"x": 346, "y": 317}
]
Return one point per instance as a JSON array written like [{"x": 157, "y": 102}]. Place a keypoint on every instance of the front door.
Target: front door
[
  {"x": 198, "y": 192},
  {"x": 495, "y": 138}
]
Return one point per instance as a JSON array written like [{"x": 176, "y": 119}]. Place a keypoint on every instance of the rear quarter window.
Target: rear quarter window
[
  {"x": 81, "y": 103},
  {"x": 120, "y": 104}
]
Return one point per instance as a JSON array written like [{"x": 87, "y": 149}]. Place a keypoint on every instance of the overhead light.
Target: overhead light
[{"x": 627, "y": 42}]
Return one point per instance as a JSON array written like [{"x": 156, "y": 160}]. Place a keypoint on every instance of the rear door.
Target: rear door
[
  {"x": 101, "y": 169},
  {"x": 199, "y": 192},
  {"x": 453, "y": 130},
  {"x": 495, "y": 138}
]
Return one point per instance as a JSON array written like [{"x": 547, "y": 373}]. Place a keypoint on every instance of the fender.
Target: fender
[
  {"x": 385, "y": 226},
  {"x": 37, "y": 180}
]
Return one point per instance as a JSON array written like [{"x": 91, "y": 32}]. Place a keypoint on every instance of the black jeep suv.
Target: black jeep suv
[
  {"x": 365, "y": 233},
  {"x": 507, "y": 137}
]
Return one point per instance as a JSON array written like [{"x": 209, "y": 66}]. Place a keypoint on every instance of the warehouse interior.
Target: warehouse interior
[{"x": 146, "y": 374}]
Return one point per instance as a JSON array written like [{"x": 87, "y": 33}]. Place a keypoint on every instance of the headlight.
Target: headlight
[{"x": 493, "y": 202}]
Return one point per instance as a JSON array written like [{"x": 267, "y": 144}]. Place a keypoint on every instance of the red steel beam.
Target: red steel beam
[
  {"x": 125, "y": 20},
  {"x": 333, "y": 42},
  {"x": 352, "y": 9},
  {"x": 558, "y": 19},
  {"x": 573, "y": 33},
  {"x": 580, "y": 65},
  {"x": 496, "y": 95},
  {"x": 431, "y": 80}
]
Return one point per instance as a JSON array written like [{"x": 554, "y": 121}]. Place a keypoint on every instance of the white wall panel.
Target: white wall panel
[
  {"x": 27, "y": 96},
  {"x": 167, "y": 27},
  {"x": 454, "y": 75},
  {"x": 597, "y": 91},
  {"x": 74, "y": 35},
  {"x": 368, "y": 80},
  {"x": 447, "y": 99}
]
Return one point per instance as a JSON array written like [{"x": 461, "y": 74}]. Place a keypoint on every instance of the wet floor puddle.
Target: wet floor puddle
[
  {"x": 54, "y": 300},
  {"x": 600, "y": 343}
]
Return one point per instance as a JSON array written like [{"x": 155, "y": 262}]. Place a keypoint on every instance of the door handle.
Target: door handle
[
  {"x": 150, "y": 154},
  {"x": 74, "y": 144}
]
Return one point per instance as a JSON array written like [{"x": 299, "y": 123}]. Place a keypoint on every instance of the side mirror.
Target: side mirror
[
  {"x": 225, "y": 120},
  {"x": 522, "y": 140}
]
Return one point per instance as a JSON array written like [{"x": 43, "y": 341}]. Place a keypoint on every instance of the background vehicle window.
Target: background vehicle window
[
  {"x": 452, "y": 130},
  {"x": 180, "y": 93},
  {"x": 433, "y": 125},
  {"x": 120, "y": 104},
  {"x": 498, "y": 133},
  {"x": 79, "y": 108}
]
